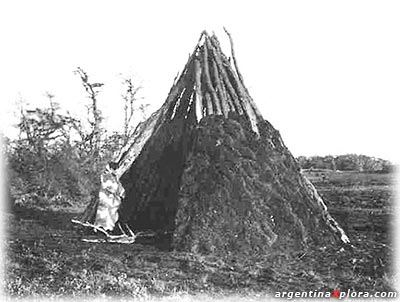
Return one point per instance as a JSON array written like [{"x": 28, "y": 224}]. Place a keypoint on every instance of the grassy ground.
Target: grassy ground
[{"x": 46, "y": 256}]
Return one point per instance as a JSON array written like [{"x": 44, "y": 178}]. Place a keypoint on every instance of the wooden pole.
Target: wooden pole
[
  {"x": 226, "y": 81},
  {"x": 207, "y": 79},
  {"x": 198, "y": 98},
  {"x": 219, "y": 87}
]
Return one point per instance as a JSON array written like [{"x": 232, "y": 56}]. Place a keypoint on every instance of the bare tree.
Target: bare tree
[
  {"x": 53, "y": 105},
  {"x": 131, "y": 105},
  {"x": 95, "y": 114}
]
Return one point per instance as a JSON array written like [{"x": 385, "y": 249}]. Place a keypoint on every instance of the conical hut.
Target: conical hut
[{"x": 209, "y": 170}]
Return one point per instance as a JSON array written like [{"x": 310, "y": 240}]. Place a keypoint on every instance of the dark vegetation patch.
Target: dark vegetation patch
[{"x": 243, "y": 194}]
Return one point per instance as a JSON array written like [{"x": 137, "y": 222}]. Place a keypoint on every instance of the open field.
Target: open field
[{"x": 46, "y": 256}]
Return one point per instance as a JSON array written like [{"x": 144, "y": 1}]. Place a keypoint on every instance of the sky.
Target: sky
[{"x": 326, "y": 74}]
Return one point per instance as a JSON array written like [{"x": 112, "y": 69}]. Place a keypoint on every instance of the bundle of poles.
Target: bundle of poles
[{"x": 218, "y": 87}]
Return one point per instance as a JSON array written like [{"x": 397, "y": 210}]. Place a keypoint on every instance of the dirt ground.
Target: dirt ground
[{"x": 45, "y": 254}]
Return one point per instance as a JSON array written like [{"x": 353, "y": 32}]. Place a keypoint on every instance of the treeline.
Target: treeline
[
  {"x": 57, "y": 158},
  {"x": 347, "y": 162}
]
